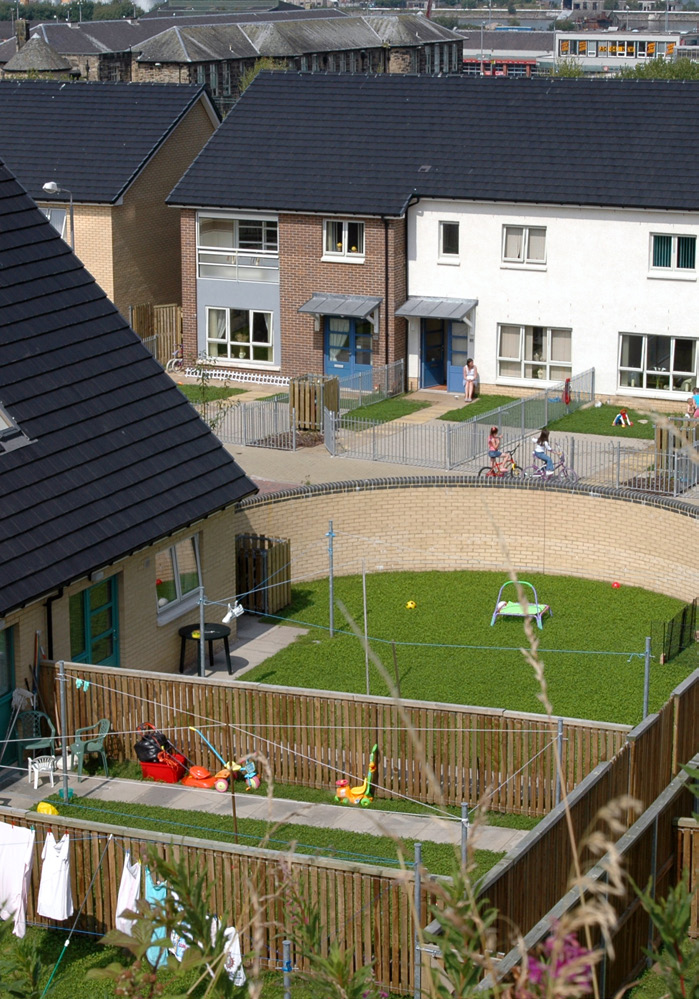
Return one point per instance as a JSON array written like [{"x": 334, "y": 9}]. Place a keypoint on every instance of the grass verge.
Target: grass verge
[
  {"x": 599, "y": 420},
  {"x": 394, "y": 408},
  {"x": 359, "y": 848},
  {"x": 483, "y": 404},
  {"x": 447, "y": 651},
  {"x": 202, "y": 394}
]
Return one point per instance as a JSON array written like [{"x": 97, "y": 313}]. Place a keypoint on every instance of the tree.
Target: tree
[
  {"x": 568, "y": 68},
  {"x": 662, "y": 69},
  {"x": 116, "y": 11}
]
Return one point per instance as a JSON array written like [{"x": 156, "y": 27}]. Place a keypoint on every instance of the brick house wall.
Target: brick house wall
[
  {"x": 94, "y": 243},
  {"x": 146, "y": 237},
  {"x": 188, "y": 243},
  {"x": 303, "y": 272}
]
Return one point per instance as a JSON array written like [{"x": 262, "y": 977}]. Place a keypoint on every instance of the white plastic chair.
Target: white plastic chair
[{"x": 40, "y": 765}]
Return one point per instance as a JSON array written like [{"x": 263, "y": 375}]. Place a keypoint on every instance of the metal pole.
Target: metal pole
[
  {"x": 72, "y": 224},
  {"x": 330, "y": 535},
  {"x": 418, "y": 920},
  {"x": 286, "y": 965},
  {"x": 464, "y": 834},
  {"x": 202, "y": 629},
  {"x": 559, "y": 764},
  {"x": 646, "y": 679},
  {"x": 63, "y": 680},
  {"x": 366, "y": 630}
]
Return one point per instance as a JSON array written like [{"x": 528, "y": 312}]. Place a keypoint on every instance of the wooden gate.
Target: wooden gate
[
  {"x": 263, "y": 572},
  {"x": 308, "y": 395}
]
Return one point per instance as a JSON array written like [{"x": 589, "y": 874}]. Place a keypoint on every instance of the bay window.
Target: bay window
[
  {"x": 238, "y": 249},
  {"x": 542, "y": 352},
  {"x": 659, "y": 363},
  {"x": 240, "y": 335},
  {"x": 343, "y": 239}
]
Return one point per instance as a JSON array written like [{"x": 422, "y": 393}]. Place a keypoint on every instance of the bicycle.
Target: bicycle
[
  {"x": 504, "y": 467},
  {"x": 560, "y": 470},
  {"x": 176, "y": 362}
]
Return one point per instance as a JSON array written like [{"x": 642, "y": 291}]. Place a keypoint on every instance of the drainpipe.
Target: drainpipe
[
  {"x": 49, "y": 621},
  {"x": 413, "y": 198},
  {"x": 385, "y": 284}
]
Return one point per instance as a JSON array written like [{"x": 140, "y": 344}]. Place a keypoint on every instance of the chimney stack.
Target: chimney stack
[{"x": 21, "y": 32}]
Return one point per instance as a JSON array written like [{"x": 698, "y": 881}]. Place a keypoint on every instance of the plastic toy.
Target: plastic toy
[
  {"x": 411, "y": 605},
  {"x": 616, "y": 586},
  {"x": 362, "y": 793},
  {"x": 248, "y": 771},
  {"x": 513, "y": 608},
  {"x": 46, "y": 808},
  {"x": 622, "y": 419}
]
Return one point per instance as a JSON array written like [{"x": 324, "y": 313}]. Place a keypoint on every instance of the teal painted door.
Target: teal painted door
[
  {"x": 7, "y": 686},
  {"x": 348, "y": 346},
  {"x": 94, "y": 625}
]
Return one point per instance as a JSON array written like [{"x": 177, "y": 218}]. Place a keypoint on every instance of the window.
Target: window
[
  {"x": 240, "y": 335},
  {"x": 523, "y": 244},
  {"x": 343, "y": 239},
  {"x": 238, "y": 249},
  {"x": 177, "y": 575},
  {"x": 93, "y": 617},
  {"x": 534, "y": 352},
  {"x": 673, "y": 253},
  {"x": 449, "y": 239},
  {"x": 57, "y": 218},
  {"x": 660, "y": 363}
]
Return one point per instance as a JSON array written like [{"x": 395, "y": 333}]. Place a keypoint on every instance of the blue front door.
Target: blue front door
[
  {"x": 94, "y": 625},
  {"x": 434, "y": 346},
  {"x": 347, "y": 346}
]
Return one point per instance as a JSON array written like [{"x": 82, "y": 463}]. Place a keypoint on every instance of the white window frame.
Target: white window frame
[
  {"x": 236, "y": 262},
  {"x": 446, "y": 257},
  {"x": 183, "y": 602},
  {"x": 533, "y": 364},
  {"x": 54, "y": 216},
  {"x": 343, "y": 248},
  {"x": 523, "y": 260},
  {"x": 231, "y": 358},
  {"x": 673, "y": 272},
  {"x": 644, "y": 373}
]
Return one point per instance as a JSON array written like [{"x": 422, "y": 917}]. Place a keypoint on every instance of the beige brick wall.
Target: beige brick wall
[
  {"x": 93, "y": 243},
  {"x": 146, "y": 231},
  {"x": 449, "y": 527}
]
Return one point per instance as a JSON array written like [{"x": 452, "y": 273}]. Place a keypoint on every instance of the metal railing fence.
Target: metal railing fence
[
  {"x": 371, "y": 386},
  {"x": 267, "y": 423}
]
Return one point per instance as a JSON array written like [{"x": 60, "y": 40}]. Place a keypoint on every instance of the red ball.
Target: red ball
[{"x": 616, "y": 586}]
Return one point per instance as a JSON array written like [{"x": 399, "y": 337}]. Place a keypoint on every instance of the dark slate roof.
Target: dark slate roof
[
  {"x": 38, "y": 56},
  {"x": 365, "y": 145},
  {"x": 117, "y": 458},
  {"x": 95, "y": 138}
]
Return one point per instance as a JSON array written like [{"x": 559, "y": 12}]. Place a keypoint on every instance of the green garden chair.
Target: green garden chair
[
  {"x": 34, "y": 730},
  {"x": 94, "y": 743}
]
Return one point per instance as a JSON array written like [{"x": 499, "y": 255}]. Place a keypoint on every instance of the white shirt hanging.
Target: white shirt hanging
[
  {"x": 129, "y": 893},
  {"x": 16, "y": 860},
  {"x": 233, "y": 961},
  {"x": 55, "y": 896}
]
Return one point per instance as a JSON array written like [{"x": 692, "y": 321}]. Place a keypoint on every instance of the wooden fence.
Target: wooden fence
[
  {"x": 309, "y": 395},
  {"x": 314, "y": 737},
  {"x": 160, "y": 326},
  {"x": 688, "y": 860},
  {"x": 367, "y": 908},
  {"x": 263, "y": 572}
]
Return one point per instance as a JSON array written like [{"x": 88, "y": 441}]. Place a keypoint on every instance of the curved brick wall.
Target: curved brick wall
[{"x": 437, "y": 522}]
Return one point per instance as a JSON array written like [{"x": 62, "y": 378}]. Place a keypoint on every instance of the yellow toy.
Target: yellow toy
[
  {"x": 362, "y": 793},
  {"x": 411, "y": 605},
  {"x": 44, "y": 808}
]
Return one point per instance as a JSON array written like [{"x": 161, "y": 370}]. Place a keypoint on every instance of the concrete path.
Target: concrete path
[{"x": 404, "y": 825}]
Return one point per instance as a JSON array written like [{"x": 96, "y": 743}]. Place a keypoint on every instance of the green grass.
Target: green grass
[
  {"x": 394, "y": 408},
  {"x": 454, "y": 609},
  {"x": 598, "y": 420},
  {"x": 651, "y": 985},
  {"x": 483, "y": 404},
  {"x": 202, "y": 394},
  {"x": 360, "y": 848}
]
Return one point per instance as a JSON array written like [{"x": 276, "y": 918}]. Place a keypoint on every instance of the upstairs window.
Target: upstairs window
[
  {"x": 343, "y": 239},
  {"x": 449, "y": 240},
  {"x": 523, "y": 244},
  {"x": 673, "y": 253}
]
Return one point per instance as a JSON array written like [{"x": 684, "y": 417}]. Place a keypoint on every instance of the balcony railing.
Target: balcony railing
[{"x": 239, "y": 265}]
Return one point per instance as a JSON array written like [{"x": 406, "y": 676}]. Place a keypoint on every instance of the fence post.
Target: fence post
[
  {"x": 521, "y": 415},
  {"x": 286, "y": 966},
  {"x": 571, "y": 453},
  {"x": 293, "y": 429},
  {"x": 62, "y": 681},
  {"x": 618, "y": 463},
  {"x": 653, "y": 878},
  {"x": 417, "y": 991},
  {"x": 559, "y": 765},
  {"x": 464, "y": 834},
  {"x": 646, "y": 678},
  {"x": 546, "y": 407},
  {"x": 330, "y": 535}
]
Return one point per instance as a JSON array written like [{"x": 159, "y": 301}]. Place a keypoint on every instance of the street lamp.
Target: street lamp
[{"x": 51, "y": 187}]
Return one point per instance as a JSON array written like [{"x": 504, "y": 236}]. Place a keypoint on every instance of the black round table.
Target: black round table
[{"x": 212, "y": 633}]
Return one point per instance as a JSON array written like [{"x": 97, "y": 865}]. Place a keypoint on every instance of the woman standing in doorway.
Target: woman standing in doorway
[{"x": 470, "y": 377}]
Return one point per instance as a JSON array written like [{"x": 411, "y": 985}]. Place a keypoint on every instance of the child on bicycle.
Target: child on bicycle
[
  {"x": 543, "y": 449},
  {"x": 494, "y": 442}
]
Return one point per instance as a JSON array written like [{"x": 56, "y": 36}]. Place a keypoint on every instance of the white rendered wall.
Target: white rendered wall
[{"x": 595, "y": 281}]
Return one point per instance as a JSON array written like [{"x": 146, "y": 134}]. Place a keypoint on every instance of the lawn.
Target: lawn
[
  {"x": 394, "y": 408},
  {"x": 601, "y": 625},
  {"x": 203, "y": 394},
  {"x": 599, "y": 420},
  {"x": 483, "y": 404},
  {"x": 360, "y": 848}
]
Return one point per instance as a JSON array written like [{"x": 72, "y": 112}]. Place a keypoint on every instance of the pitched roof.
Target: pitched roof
[
  {"x": 38, "y": 56},
  {"x": 365, "y": 145},
  {"x": 95, "y": 138},
  {"x": 114, "y": 457}
]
